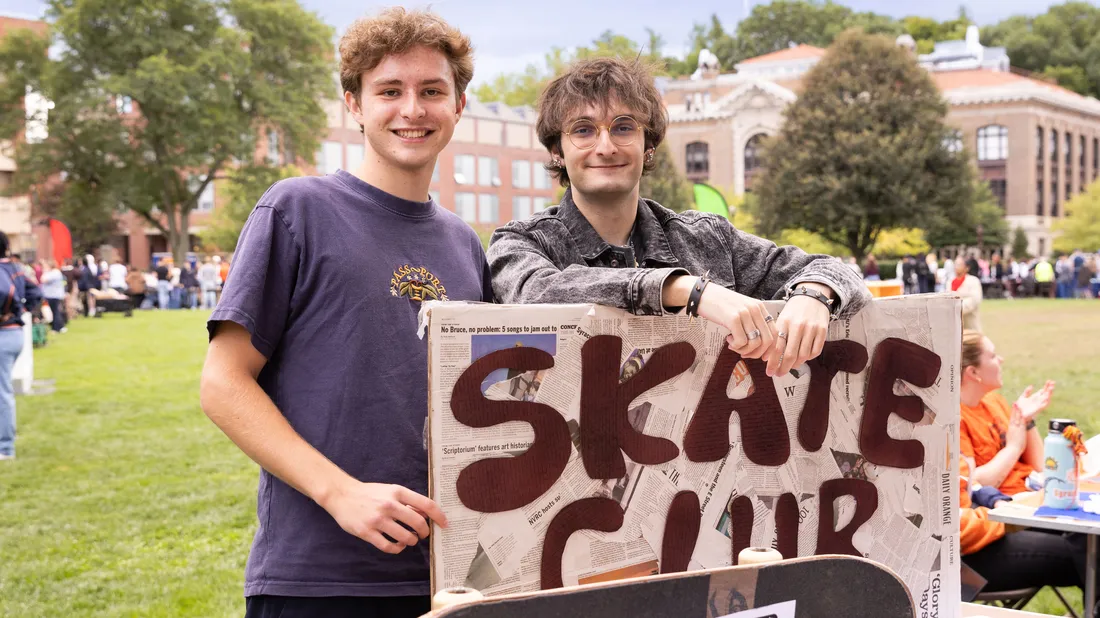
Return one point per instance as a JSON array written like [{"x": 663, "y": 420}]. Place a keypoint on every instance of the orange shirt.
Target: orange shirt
[
  {"x": 982, "y": 436},
  {"x": 975, "y": 529}
]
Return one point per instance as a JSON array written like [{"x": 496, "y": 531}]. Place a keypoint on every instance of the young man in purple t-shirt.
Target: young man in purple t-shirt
[{"x": 314, "y": 367}]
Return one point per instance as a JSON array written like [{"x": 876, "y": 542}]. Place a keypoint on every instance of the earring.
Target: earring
[{"x": 649, "y": 156}]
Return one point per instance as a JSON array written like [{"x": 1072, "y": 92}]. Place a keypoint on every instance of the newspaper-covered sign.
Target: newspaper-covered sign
[{"x": 506, "y": 521}]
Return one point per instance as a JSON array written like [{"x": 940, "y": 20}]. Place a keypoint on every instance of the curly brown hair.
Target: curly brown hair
[
  {"x": 396, "y": 31},
  {"x": 601, "y": 82}
]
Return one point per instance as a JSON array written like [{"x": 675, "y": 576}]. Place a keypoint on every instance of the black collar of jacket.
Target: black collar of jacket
[{"x": 650, "y": 241}]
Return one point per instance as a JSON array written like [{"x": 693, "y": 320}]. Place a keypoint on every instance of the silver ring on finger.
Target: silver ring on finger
[
  {"x": 783, "y": 335},
  {"x": 754, "y": 334},
  {"x": 768, "y": 318}
]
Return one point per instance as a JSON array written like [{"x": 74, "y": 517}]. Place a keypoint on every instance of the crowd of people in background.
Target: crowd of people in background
[
  {"x": 1073, "y": 275},
  {"x": 83, "y": 286}
]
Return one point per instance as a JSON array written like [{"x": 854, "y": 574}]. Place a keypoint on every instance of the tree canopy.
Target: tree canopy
[
  {"x": 154, "y": 100},
  {"x": 863, "y": 149},
  {"x": 1080, "y": 228}
]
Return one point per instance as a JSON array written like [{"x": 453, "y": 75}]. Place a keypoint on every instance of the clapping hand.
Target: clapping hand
[{"x": 1031, "y": 403}]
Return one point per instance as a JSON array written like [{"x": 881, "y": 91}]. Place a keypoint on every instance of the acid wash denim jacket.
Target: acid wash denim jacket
[{"x": 557, "y": 257}]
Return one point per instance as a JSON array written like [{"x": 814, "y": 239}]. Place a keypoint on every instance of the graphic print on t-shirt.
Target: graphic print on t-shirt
[{"x": 416, "y": 283}]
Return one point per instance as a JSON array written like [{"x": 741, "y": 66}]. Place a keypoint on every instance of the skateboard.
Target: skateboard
[{"x": 820, "y": 586}]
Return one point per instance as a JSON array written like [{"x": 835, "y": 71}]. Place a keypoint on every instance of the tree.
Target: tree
[
  {"x": 1061, "y": 43},
  {"x": 244, "y": 187},
  {"x": 153, "y": 100},
  {"x": 1019, "y": 245},
  {"x": 91, "y": 223},
  {"x": 1080, "y": 229},
  {"x": 863, "y": 149},
  {"x": 666, "y": 184},
  {"x": 959, "y": 226}
]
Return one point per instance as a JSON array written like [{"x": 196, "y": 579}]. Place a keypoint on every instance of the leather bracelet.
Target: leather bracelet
[
  {"x": 692, "y": 308},
  {"x": 1030, "y": 425},
  {"x": 814, "y": 294}
]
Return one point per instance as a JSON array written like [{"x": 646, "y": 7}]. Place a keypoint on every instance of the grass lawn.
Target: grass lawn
[{"x": 126, "y": 501}]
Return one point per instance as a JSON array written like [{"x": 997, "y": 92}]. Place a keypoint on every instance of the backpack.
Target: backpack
[{"x": 11, "y": 304}]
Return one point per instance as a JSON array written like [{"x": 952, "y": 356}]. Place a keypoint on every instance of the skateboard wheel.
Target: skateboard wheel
[
  {"x": 454, "y": 596},
  {"x": 758, "y": 555}
]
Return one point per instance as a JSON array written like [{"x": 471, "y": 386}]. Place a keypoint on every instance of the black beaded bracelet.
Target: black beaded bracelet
[{"x": 692, "y": 308}]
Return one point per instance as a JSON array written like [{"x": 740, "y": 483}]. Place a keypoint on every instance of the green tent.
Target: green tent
[{"x": 709, "y": 199}]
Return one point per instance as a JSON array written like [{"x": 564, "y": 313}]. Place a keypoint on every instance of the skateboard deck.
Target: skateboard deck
[{"x": 820, "y": 586}]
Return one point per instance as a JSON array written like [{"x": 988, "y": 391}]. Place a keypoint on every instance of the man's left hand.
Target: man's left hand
[{"x": 805, "y": 321}]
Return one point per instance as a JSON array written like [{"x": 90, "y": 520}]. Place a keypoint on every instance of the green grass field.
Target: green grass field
[{"x": 126, "y": 501}]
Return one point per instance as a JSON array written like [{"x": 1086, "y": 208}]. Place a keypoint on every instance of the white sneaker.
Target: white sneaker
[{"x": 5, "y": 457}]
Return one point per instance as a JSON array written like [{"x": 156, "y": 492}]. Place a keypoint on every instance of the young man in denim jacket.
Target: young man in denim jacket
[{"x": 602, "y": 121}]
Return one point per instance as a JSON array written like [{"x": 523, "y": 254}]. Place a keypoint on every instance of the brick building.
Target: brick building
[
  {"x": 15, "y": 211},
  {"x": 1035, "y": 143}
]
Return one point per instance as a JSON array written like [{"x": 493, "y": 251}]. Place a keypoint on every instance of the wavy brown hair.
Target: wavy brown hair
[
  {"x": 602, "y": 82},
  {"x": 396, "y": 31}
]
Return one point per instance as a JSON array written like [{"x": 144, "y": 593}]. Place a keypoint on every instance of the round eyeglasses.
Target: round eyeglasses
[{"x": 623, "y": 131}]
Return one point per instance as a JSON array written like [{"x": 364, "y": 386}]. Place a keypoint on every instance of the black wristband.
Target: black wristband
[
  {"x": 1031, "y": 424},
  {"x": 692, "y": 308},
  {"x": 814, "y": 294}
]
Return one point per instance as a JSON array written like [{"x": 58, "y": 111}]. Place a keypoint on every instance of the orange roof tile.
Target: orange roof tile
[
  {"x": 977, "y": 78},
  {"x": 9, "y": 24},
  {"x": 793, "y": 53}
]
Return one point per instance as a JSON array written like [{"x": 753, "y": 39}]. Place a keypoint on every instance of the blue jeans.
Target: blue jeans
[
  {"x": 164, "y": 288},
  {"x": 11, "y": 344}
]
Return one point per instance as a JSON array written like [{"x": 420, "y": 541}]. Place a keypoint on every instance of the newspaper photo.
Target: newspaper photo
[{"x": 914, "y": 525}]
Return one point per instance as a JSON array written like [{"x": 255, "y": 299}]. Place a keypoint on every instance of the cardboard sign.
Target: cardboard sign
[{"x": 574, "y": 444}]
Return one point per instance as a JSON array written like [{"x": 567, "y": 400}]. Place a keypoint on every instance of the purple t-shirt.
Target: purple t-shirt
[{"x": 328, "y": 277}]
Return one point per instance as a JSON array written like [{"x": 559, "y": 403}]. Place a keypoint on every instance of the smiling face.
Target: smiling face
[
  {"x": 607, "y": 168},
  {"x": 408, "y": 109},
  {"x": 987, "y": 371}
]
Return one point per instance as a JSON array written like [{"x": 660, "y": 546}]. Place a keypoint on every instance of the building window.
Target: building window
[
  {"x": 753, "y": 152},
  {"x": 1054, "y": 146},
  {"x": 465, "y": 169},
  {"x": 542, "y": 177},
  {"x": 999, "y": 189},
  {"x": 330, "y": 158},
  {"x": 1069, "y": 150},
  {"x": 466, "y": 206},
  {"x": 521, "y": 207},
  {"x": 521, "y": 174},
  {"x": 1081, "y": 153},
  {"x": 1054, "y": 199},
  {"x": 1039, "y": 194},
  {"x": 355, "y": 156},
  {"x": 697, "y": 157},
  {"x": 1039, "y": 135},
  {"x": 273, "y": 148},
  {"x": 488, "y": 172},
  {"x": 206, "y": 198},
  {"x": 124, "y": 104},
  {"x": 539, "y": 204},
  {"x": 1095, "y": 157},
  {"x": 1069, "y": 194},
  {"x": 993, "y": 143},
  {"x": 1042, "y": 247},
  {"x": 488, "y": 208}
]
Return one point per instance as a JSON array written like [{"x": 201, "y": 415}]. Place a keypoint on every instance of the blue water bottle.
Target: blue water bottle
[{"x": 1059, "y": 468}]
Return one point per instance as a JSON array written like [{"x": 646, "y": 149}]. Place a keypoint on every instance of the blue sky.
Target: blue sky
[{"x": 509, "y": 35}]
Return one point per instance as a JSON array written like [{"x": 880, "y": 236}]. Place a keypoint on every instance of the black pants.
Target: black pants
[
  {"x": 57, "y": 306},
  {"x": 264, "y": 606},
  {"x": 1031, "y": 558}
]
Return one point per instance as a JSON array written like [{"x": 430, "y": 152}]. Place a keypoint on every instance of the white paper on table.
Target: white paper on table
[{"x": 777, "y": 610}]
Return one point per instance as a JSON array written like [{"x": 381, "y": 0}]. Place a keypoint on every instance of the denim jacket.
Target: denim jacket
[{"x": 557, "y": 257}]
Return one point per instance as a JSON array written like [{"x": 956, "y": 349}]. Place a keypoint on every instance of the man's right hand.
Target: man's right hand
[
  {"x": 371, "y": 510},
  {"x": 741, "y": 315}
]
